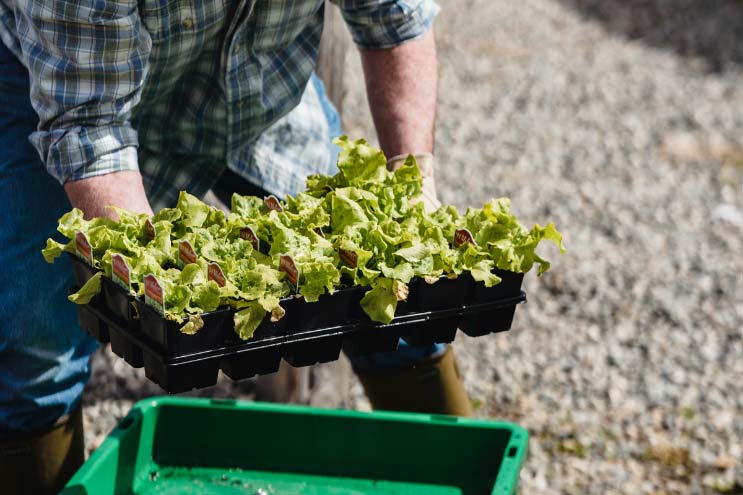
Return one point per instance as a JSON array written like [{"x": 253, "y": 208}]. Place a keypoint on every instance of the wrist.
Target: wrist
[
  {"x": 425, "y": 164},
  {"x": 121, "y": 189},
  {"x": 423, "y": 160}
]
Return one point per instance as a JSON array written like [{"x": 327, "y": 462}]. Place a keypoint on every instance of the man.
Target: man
[{"x": 127, "y": 102}]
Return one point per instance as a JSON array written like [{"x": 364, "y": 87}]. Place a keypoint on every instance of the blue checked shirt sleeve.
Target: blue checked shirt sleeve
[
  {"x": 387, "y": 23},
  {"x": 87, "y": 63}
]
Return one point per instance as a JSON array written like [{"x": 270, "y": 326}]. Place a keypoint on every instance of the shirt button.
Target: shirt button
[{"x": 187, "y": 23}]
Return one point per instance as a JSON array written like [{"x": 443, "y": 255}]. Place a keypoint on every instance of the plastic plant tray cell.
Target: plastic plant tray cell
[
  {"x": 92, "y": 325},
  {"x": 217, "y": 330},
  {"x": 292, "y": 306},
  {"x": 119, "y": 302},
  {"x": 314, "y": 346},
  {"x": 250, "y": 361},
  {"x": 176, "y": 376},
  {"x": 371, "y": 339},
  {"x": 477, "y": 326},
  {"x": 123, "y": 347},
  {"x": 446, "y": 293},
  {"x": 266, "y": 330},
  {"x": 497, "y": 318},
  {"x": 431, "y": 331},
  {"x": 329, "y": 310},
  {"x": 510, "y": 286},
  {"x": 220, "y": 447}
]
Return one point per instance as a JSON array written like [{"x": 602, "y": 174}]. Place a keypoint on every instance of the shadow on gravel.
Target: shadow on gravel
[{"x": 709, "y": 29}]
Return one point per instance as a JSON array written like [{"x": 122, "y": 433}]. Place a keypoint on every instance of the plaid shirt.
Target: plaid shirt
[{"x": 207, "y": 84}]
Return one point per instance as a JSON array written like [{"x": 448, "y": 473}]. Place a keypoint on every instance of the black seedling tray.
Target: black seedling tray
[
  {"x": 262, "y": 355},
  {"x": 309, "y": 333}
]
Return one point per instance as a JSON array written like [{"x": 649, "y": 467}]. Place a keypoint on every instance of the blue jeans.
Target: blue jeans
[{"x": 44, "y": 356}]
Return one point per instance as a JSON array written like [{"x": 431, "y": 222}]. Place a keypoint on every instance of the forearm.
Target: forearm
[
  {"x": 123, "y": 189},
  {"x": 401, "y": 86}
]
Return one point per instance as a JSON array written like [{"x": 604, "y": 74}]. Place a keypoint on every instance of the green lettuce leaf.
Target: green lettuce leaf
[
  {"x": 248, "y": 319},
  {"x": 88, "y": 291}
]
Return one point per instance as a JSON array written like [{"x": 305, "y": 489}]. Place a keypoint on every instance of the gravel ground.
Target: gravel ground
[{"x": 622, "y": 122}]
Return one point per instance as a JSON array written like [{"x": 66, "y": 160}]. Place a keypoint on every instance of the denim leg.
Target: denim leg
[
  {"x": 406, "y": 355},
  {"x": 44, "y": 356}
]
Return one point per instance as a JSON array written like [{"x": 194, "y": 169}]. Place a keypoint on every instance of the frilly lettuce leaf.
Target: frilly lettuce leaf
[
  {"x": 88, "y": 291},
  {"x": 381, "y": 301}
]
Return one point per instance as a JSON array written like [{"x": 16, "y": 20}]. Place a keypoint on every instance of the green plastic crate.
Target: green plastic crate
[{"x": 171, "y": 445}]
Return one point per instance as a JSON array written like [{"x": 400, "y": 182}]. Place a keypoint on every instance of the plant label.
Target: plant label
[
  {"x": 287, "y": 265},
  {"x": 272, "y": 203},
  {"x": 120, "y": 272},
  {"x": 350, "y": 258},
  {"x": 215, "y": 273},
  {"x": 463, "y": 236},
  {"x": 154, "y": 295},
  {"x": 186, "y": 254},
  {"x": 248, "y": 234},
  {"x": 149, "y": 229},
  {"x": 83, "y": 248}
]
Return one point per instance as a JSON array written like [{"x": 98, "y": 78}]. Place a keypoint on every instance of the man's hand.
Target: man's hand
[
  {"x": 122, "y": 189},
  {"x": 425, "y": 164}
]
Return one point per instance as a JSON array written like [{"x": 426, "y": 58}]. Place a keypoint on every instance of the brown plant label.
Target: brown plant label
[
  {"x": 83, "y": 248},
  {"x": 248, "y": 234},
  {"x": 214, "y": 272},
  {"x": 149, "y": 228},
  {"x": 120, "y": 272},
  {"x": 350, "y": 258},
  {"x": 463, "y": 236},
  {"x": 272, "y": 203},
  {"x": 287, "y": 265},
  {"x": 154, "y": 295},
  {"x": 186, "y": 253}
]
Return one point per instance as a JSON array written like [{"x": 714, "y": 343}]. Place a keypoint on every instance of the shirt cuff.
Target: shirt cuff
[
  {"x": 390, "y": 23},
  {"x": 81, "y": 153}
]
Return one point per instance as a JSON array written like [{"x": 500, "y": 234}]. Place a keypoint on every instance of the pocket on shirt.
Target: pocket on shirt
[
  {"x": 276, "y": 23},
  {"x": 169, "y": 18}
]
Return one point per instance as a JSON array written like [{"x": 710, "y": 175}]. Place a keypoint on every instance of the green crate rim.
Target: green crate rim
[{"x": 506, "y": 482}]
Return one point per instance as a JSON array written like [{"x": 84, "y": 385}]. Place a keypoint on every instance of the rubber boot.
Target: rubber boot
[
  {"x": 430, "y": 386},
  {"x": 42, "y": 463}
]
